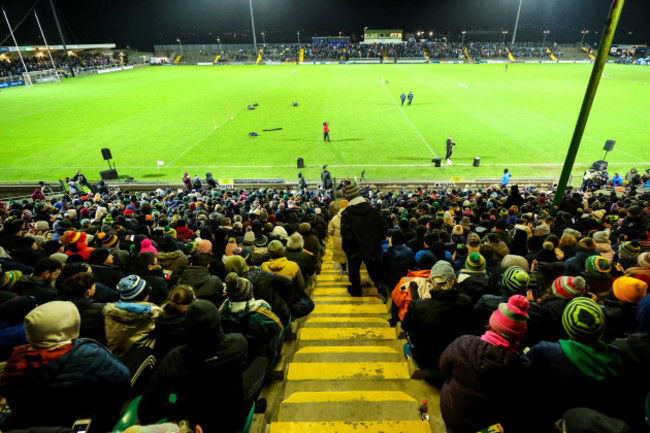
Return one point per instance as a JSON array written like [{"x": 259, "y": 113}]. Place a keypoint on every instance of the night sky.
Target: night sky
[{"x": 143, "y": 23}]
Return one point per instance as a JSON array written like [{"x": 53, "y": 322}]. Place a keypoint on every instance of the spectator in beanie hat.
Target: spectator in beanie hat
[
  {"x": 642, "y": 271},
  {"x": 576, "y": 264},
  {"x": 48, "y": 381},
  {"x": 104, "y": 270},
  {"x": 603, "y": 244},
  {"x": 597, "y": 275},
  {"x": 580, "y": 372},
  {"x": 473, "y": 395},
  {"x": 474, "y": 281},
  {"x": 253, "y": 318},
  {"x": 628, "y": 253},
  {"x": 278, "y": 264},
  {"x": 129, "y": 323}
]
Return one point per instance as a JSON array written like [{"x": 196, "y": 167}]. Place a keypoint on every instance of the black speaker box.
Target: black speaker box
[
  {"x": 108, "y": 174},
  {"x": 599, "y": 165},
  {"x": 477, "y": 161},
  {"x": 106, "y": 153},
  {"x": 301, "y": 163},
  {"x": 609, "y": 145},
  {"x": 436, "y": 162}
]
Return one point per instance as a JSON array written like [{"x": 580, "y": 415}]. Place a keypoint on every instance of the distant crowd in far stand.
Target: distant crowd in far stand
[{"x": 80, "y": 61}]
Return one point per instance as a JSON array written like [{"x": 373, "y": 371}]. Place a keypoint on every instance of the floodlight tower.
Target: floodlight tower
[
  {"x": 250, "y": 3},
  {"x": 503, "y": 36},
  {"x": 546, "y": 32},
  {"x": 514, "y": 34},
  {"x": 462, "y": 38},
  {"x": 584, "y": 32}
]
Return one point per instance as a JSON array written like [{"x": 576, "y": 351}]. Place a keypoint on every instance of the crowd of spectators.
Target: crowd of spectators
[
  {"x": 79, "y": 61},
  {"x": 431, "y": 49},
  {"x": 207, "y": 280}
]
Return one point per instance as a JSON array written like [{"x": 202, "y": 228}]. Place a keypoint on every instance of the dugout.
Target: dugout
[{"x": 389, "y": 36}]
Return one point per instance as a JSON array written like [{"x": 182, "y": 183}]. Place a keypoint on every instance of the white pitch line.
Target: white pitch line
[
  {"x": 496, "y": 164},
  {"x": 405, "y": 116}
]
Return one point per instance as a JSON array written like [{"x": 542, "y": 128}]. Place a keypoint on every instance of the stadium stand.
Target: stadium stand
[{"x": 98, "y": 297}]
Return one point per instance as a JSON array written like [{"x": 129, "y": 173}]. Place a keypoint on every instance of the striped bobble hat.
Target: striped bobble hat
[
  {"x": 583, "y": 320},
  {"x": 168, "y": 231},
  {"x": 107, "y": 239},
  {"x": 133, "y": 288},
  {"x": 509, "y": 320},
  {"x": 475, "y": 262},
  {"x": 629, "y": 250},
  {"x": 587, "y": 244},
  {"x": 644, "y": 260},
  {"x": 515, "y": 279},
  {"x": 569, "y": 287},
  {"x": 9, "y": 278},
  {"x": 238, "y": 289},
  {"x": 597, "y": 266}
]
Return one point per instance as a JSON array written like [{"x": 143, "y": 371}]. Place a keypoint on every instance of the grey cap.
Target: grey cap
[{"x": 442, "y": 272}]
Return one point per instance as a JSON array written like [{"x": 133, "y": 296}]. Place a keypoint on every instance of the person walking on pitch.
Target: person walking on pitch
[
  {"x": 410, "y": 98},
  {"x": 402, "y": 97},
  {"x": 450, "y": 143},
  {"x": 326, "y": 131}
]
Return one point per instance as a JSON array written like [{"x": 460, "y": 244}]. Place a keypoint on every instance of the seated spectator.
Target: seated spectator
[
  {"x": 597, "y": 275},
  {"x": 241, "y": 313},
  {"x": 277, "y": 290},
  {"x": 39, "y": 284},
  {"x": 169, "y": 331},
  {"x": 174, "y": 260},
  {"x": 397, "y": 260},
  {"x": 197, "y": 275},
  {"x": 183, "y": 233},
  {"x": 642, "y": 271},
  {"x": 604, "y": 245},
  {"x": 76, "y": 243},
  {"x": 49, "y": 382},
  {"x": 312, "y": 243},
  {"x": 278, "y": 264},
  {"x": 129, "y": 323},
  {"x": 210, "y": 360},
  {"x": 474, "y": 281},
  {"x": 296, "y": 252},
  {"x": 104, "y": 270},
  {"x": 79, "y": 289},
  {"x": 434, "y": 322},
  {"x": 580, "y": 372},
  {"x": 576, "y": 264},
  {"x": 475, "y": 370},
  {"x": 12, "y": 328},
  {"x": 147, "y": 267},
  {"x": 500, "y": 248},
  {"x": 621, "y": 306},
  {"x": 112, "y": 242}
]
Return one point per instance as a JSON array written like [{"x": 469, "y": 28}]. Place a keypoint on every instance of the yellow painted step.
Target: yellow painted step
[
  {"x": 353, "y": 427},
  {"x": 350, "y": 309},
  {"x": 348, "y": 370},
  {"x": 322, "y": 397},
  {"x": 347, "y": 333},
  {"x": 332, "y": 277},
  {"x": 359, "y": 319},
  {"x": 347, "y": 299},
  {"x": 347, "y": 349},
  {"x": 367, "y": 291}
]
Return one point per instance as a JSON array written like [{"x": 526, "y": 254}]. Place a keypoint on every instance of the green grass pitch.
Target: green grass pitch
[{"x": 522, "y": 119}]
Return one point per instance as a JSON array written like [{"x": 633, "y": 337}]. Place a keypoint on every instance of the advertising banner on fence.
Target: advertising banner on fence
[{"x": 15, "y": 83}]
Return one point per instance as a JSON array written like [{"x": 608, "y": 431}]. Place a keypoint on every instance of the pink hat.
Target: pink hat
[
  {"x": 146, "y": 247},
  {"x": 509, "y": 320}
]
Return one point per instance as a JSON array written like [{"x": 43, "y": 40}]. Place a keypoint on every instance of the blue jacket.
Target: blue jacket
[
  {"x": 506, "y": 178},
  {"x": 85, "y": 382},
  {"x": 396, "y": 262}
]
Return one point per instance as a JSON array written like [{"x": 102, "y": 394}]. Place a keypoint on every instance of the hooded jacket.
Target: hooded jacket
[
  {"x": 403, "y": 294},
  {"x": 205, "y": 285},
  {"x": 211, "y": 360},
  {"x": 287, "y": 268},
  {"x": 175, "y": 261},
  {"x": 56, "y": 387},
  {"x": 396, "y": 262},
  {"x": 128, "y": 324},
  {"x": 476, "y": 392},
  {"x": 255, "y": 321},
  {"x": 334, "y": 230}
]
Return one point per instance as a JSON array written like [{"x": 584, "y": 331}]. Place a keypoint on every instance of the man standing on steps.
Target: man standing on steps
[
  {"x": 362, "y": 231},
  {"x": 326, "y": 179}
]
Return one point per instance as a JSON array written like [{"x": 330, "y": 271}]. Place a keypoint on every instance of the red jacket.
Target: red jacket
[
  {"x": 326, "y": 129},
  {"x": 402, "y": 298}
]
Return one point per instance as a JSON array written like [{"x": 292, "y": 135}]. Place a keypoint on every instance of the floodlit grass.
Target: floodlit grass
[{"x": 522, "y": 119}]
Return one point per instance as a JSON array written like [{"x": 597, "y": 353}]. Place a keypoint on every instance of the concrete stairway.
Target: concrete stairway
[{"x": 349, "y": 373}]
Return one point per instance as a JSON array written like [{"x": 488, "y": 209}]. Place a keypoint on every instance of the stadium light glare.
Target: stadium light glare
[
  {"x": 462, "y": 38},
  {"x": 514, "y": 34},
  {"x": 430, "y": 33},
  {"x": 298, "y": 37},
  {"x": 584, "y": 32},
  {"x": 250, "y": 3},
  {"x": 546, "y": 32},
  {"x": 180, "y": 47}
]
